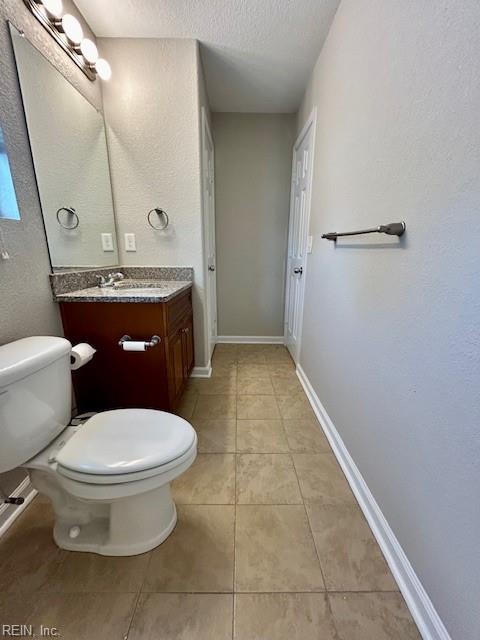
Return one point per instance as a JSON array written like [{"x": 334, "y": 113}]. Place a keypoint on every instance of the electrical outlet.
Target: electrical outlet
[
  {"x": 107, "y": 241},
  {"x": 130, "y": 244}
]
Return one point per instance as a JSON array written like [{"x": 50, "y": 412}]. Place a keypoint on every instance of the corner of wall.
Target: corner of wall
[{"x": 203, "y": 111}]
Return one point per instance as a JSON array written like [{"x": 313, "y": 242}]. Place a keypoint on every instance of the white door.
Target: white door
[
  {"x": 302, "y": 171},
  {"x": 209, "y": 213}
]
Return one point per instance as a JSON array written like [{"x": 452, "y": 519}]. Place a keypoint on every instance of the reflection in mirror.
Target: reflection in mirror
[
  {"x": 8, "y": 199},
  {"x": 69, "y": 150}
]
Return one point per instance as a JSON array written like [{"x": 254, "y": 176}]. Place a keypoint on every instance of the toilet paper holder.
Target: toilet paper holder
[{"x": 154, "y": 340}]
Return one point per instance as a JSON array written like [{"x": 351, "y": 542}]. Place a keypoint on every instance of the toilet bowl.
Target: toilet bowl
[{"x": 108, "y": 479}]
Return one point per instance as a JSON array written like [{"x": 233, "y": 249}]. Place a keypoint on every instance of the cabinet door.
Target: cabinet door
[
  {"x": 188, "y": 354},
  {"x": 118, "y": 379},
  {"x": 176, "y": 372}
]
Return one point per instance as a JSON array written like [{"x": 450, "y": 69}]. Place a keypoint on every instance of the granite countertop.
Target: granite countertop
[
  {"x": 141, "y": 284},
  {"x": 128, "y": 291}
]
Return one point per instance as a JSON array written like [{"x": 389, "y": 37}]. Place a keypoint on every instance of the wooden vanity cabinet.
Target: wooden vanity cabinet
[
  {"x": 115, "y": 379},
  {"x": 180, "y": 349}
]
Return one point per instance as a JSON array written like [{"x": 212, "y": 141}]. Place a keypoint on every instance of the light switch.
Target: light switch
[
  {"x": 309, "y": 244},
  {"x": 107, "y": 242},
  {"x": 130, "y": 244}
]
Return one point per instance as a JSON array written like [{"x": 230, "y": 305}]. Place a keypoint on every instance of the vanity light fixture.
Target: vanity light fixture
[
  {"x": 72, "y": 29},
  {"x": 68, "y": 32},
  {"x": 89, "y": 51},
  {"x": 103, "y": 69},
  {"x": 54, "y": 8}
]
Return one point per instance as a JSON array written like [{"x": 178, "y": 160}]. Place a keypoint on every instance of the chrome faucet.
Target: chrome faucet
[{"x": 112, "y": 278}]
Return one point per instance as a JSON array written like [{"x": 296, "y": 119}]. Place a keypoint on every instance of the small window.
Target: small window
[{"x": 8, "y": 199}]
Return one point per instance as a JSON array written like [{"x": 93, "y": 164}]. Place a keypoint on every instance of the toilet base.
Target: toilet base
[
  {"x": 123, "y": 534},
  {"x": 121, "y": 527},
  {"x": 98, "y": 529}
]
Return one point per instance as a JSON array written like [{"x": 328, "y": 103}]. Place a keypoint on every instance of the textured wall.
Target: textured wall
[
  {"x": 391, "y": 331},
  {"x": 253, "y": 164},
  {"x": 27, "y": 307},
  {"x": 151, "y": 107}
]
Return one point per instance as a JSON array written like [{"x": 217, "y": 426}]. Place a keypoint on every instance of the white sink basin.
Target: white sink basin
[{"x": 140, "y": 286}]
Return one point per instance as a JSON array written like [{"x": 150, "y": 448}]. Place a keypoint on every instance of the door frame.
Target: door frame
[
  {"x": 310, "y": 123},
  {"x": 207, "y": 134}
]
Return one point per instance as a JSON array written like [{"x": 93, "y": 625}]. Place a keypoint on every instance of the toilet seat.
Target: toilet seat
[
  {"x": 126, "y": 445},
  {"x": 128, "y": 478}
]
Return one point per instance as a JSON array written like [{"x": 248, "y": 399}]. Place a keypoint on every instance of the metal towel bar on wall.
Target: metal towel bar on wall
[{"x": 391, "y": 229}]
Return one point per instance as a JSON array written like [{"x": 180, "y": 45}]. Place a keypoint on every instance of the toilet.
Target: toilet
[{"x": 109, "y": 478}]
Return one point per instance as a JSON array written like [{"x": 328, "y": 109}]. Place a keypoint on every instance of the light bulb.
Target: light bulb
[
  {"x": 54, "y": 8},
  {"x": 89, "y": 51},
  {"x": 72, "y": 29},
  {"x": 103, "y": 69}
]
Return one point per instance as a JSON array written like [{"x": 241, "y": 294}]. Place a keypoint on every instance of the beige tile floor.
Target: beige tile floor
[{"x": 270, "y": 543}]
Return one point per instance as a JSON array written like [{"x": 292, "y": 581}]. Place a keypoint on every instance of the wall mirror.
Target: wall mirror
[
  {"x": 8, "y": 198},
  {"x": 69, "y": 150}
]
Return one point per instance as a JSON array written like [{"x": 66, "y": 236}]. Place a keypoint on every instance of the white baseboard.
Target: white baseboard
[
  {"x": 421, "y": 607},
  {"x": 202, "y": 372},
  {"x": 24, "y": 490},
  {"x": 250, "y": 340}
]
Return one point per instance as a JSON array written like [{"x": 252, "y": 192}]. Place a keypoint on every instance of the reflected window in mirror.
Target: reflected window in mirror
[{"x": 8, "y": 198}]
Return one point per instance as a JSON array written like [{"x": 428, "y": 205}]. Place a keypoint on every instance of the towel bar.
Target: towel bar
[{"x": 391, "y": 229}]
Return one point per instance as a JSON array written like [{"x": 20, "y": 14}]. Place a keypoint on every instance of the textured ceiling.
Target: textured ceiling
[{"x": 257, "y": 54}]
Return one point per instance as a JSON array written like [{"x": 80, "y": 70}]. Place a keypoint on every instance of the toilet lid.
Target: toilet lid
[{"x": 126, "y": 441}]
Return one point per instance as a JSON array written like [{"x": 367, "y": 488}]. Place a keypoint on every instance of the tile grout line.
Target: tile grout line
[
  {"x": 268, "y": 453},
  {"x": 326, "y": 593},
  {"x": 235, "y": 515},
  {"x": 133, "y": 612},
  {"x": 310, "y": 527},
  {"x": 241, "y": 592},
  {"x": 326, "y": 596}
]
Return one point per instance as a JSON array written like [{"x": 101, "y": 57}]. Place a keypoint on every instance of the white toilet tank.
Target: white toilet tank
[{"x": 35, "y": 396}]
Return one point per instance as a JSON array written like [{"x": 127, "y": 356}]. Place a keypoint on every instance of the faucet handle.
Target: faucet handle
[
  {"x": 116, "y": 276},
  {"x": 100, "y": 280}
]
